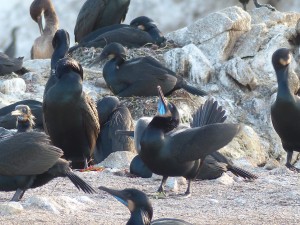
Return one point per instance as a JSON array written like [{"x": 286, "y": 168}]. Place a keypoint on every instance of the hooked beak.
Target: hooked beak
[
  {"x": 162, "y": 107},
  {"x": 17, "y": 113},
  {"x": 116, "y": 194},
  {"x": 40, "y": 23}
]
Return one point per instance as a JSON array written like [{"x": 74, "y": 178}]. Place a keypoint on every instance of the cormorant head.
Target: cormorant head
[
  {"x": 281, "y": 58},
  {"x": 61, "y": 37},
  {"x": 106, "y": 106},
  {"x": 113, "y": 50},
  {"x": 23, "y": 113},
  {"x": 66, "y": 65},
  {"x": 133, "y": 199},
  {"x": 143, "y": 23}
]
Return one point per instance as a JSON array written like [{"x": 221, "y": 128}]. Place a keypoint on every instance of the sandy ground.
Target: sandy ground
[{"x": 272, "y": 199}]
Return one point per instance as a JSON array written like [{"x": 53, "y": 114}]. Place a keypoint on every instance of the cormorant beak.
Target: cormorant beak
[
  {"x": 17, "y": 112},
  {"x": 119, "y": 195},
  {"x": 40, "y": 23},
  {"x": 162, "y": 107}
]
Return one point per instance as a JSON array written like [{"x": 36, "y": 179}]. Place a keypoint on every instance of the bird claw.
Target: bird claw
[{"x": 293, "y": 168}]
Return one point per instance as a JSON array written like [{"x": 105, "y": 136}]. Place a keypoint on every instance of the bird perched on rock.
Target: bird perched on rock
[
  {"x": 183, "y": 152},
  {"x": 95, "y": 14},
  {"x": 9, "y": 65},
  {"x": 42, "y": 46},
  {"x": 28, "y": 160},
  {"x": 11, "y": 48},
  {"x": 285, "y": 111},
  {"x": 25, "y": 119},
  {"x": 113, "y": 116},
  {"x": 71, "y": 117},
  {"x": 257, "y": 4},
  {"x": 140, "y": 207},
  {"x": 8, "y": 121},
  {"x": 141, "y": 31},
  {"x": 139, "y": 76}
]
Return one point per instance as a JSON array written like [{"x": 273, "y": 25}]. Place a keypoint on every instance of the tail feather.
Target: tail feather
[
  {"x": 193, "y": 90},
  {"x": 208, "y": 113},
  {"x": 239, "y": 172},
  {"x": 80, "y": 184}
]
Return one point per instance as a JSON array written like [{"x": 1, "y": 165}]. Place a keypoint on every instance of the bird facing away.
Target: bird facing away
[
  {"x": 95, "y": 14},
  {"x": 25, "y": 119},
  {"x": 141, "y": 31},
  {"x": 182, "y": 153},
  {"x": 11, "y": 48},
  {"x": 139, "y": 76},
  {"x": 9, "y": 65},
  {"x": 285, "y": 111},
  {"x": 60, "y": 44},
  {"x": 70, "y": 115},
  {"x": 28, "y": 160},
  {"x": 257, "y": 4},
  {"x": 140, "y": 207},
  {"x": 113, "y": 116},
  {"x": 42, "y": 46}
]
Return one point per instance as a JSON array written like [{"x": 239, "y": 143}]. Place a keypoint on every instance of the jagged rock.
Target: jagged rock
[
  {"x": 118, "y": 160},
  {"x": 271, "y": 164},
  {"x": 43, "y": 203},
  {"x": 225, "y": 179},
  {"x": 10, "y": 208},
  {"x": 39, "y": 66},
  {"x": 12, "y": 86},
  {"x": 34, "y": 78},
  {"x": 190, "y": 61}
]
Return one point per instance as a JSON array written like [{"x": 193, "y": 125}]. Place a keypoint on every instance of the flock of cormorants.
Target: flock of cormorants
[{"x": 82, "y": 132}]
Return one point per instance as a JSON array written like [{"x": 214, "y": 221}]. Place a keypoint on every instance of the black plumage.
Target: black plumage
[
  {"x": 140, "y": 207},
  {"x": 285, "y": 111},
  {"x": 8, "y": 121},
  {"x": 9, "y": 65},
  {"x": 182, "y": 153},
  {"x": 28, "y": 160},
  {"x": 11, "y": 48},
  {"x": 139, "y": 76},
  {"x": 95, "y": 14},
  {"x": 257, "y": 4},
  {"x": 113, "y": 116},
  {"x": 71, "y": 117}
]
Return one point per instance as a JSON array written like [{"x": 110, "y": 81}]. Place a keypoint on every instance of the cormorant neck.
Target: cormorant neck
[
  {"x": 139, "y": 217},
  {"x": 24, "y": 126},
  {"x": 51, "y": 21},
  {"x": 118, "y": 60},
  {"x": 59, "y": 53},
  {"x": 283, "y": 83}
]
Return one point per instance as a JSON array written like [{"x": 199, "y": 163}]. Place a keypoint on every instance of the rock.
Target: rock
[
  {"x": 171, "y": 184},
  {"x": 271, "y": 164},
  {"x": 181, "y": 36},
  {"x": 10, "y": 208},
  {"x": 32, "y": 77},
  {"x": 189, "y": 61},
  {"x": 39, "y": 66},
  {"x": 100, "y": 82},
  {"x": 225, "y": 179},
  {"x": 43, "y": 203},
  {"x": 280, "y": 171},
  {"x": 118, "y": 160},
  {"x": 12, "y": 86}
]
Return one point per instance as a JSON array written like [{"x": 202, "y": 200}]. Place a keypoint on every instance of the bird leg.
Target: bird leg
[
  {"x": 258, "y": 5},
  {"x": 18, "y": 195},
  {"x": 288, "y": 162},
  {"x": 188, "y": 190},
  {"x": 245, "y": 6},
  {"x": 161, "y": 189}
]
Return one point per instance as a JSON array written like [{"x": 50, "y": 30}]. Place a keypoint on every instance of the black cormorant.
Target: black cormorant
[
  {"x": 95, "y": 14},
  {"x": 8, "y": 121},
  {"x": 11, "y": 48},
  {"x": 181, "y": 153},
  {"x": 139, "y": 76},
  {"x": 9, "y": 65},
  {"x": 25, "y": 118},
  {"x": 285, "y": 111},
  {"x": 28, "y": 160},
  {"x": 71, "y": 117},
  {"x": 140, "y": 207},
  {"x": 257, "y": 4},
  {"x": 113, "y": 116},
  {"x": 42, "y": 46}
]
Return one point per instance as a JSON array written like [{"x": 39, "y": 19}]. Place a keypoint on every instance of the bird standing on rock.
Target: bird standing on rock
[
  {"x": 181, "y": 153},
  {"x": 42, "y": 46},
  {"x": 28, "y": 160},
  {"x": 140, "y": 207},
  {"x": 285, "y": 111},
  {"x": 70, "y": 115},
  {"x": 139, "y": 76},
  {"x": 257, "y": 4},
  {"x": 95, "y": 14}
]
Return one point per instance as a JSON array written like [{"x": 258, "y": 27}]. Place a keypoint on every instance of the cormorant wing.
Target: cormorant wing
[
  {"x": 27, "y": 153},
  {"x": 5, "y": 60},
  {"x": 154, "y": 62},
  {"x": 90, "y": 119},
  {"x": 196, "y": 143}
]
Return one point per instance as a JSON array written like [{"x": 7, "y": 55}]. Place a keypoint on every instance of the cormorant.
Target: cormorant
[
  {"x": 9, "y": 65},
  {"x": 140, "y": 32},
  {"x": 285, "y": 111},
  {"x": 139, "y": 76},
  {"x": 60, "y": 43},
  {"x": 25, "y": 119},
  {"x": 183, "y": 152},
  {"x": 42, "y": 46},
  {"x": 140, "y": 207},
  {"x": 11, "y": 48},
  {"x": 70, "y": 115},
  {"x": 8, "y": 121},
  {"x": 257, "y": 4},
  {"x": 95, "y": 14},
  {"x": 28, "y": 160},
  {"x": 113, "y": 116}
]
